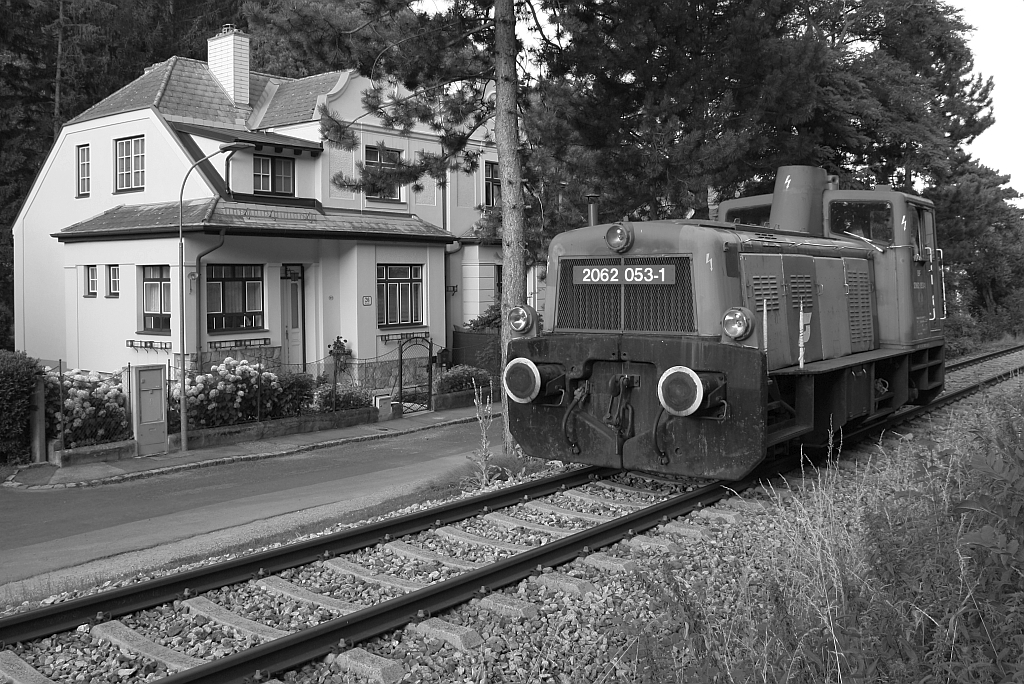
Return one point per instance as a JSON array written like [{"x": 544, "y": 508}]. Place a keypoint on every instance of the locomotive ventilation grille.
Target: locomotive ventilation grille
[
  {"x": 627, "y": 307},
  {"x": 861, "y": 323}
]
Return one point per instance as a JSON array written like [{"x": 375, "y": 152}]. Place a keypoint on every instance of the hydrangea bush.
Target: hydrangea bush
[
  {"x": 91, "y": 409},
  {"x": 234, "y": 391}
]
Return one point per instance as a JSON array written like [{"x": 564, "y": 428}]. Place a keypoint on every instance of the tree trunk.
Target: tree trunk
[
  {"x": 57, "y": 77},
  {"x": 506, "y": 137}
]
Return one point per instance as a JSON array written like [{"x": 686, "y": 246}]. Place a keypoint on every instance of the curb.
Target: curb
[{"x": 143, "y": 474}]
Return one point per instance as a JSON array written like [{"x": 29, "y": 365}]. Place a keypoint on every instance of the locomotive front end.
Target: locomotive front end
[{"x": 644, "y": 366}]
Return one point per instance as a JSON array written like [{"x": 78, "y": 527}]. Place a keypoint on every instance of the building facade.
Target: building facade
[{"x": 276, "y": 257}]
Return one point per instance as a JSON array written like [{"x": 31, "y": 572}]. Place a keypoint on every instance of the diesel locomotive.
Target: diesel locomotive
[{"x": 695, "y": 347}]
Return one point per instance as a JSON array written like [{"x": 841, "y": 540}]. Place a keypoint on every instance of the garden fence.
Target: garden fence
[
  {"x": 261, "y": 387},
  {"x": 87, "y": 407}
]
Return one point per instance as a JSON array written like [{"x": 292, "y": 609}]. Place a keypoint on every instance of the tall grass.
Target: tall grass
[{"x": 911, "y": 572}]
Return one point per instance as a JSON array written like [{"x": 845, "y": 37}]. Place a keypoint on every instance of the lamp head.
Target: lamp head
[{"x": 237, "y": 145}]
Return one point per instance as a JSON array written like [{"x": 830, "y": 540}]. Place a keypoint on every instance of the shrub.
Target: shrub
[
  {"x": 347, "y": 396},
  {"x": 90, "y": 409},
  {"x": 460, "y": 378},
  {"x": 232, "y": 392},
  {"x": 18, "y": 374},
  {"x": 490, "y": 319},
  {"x": 296, "y": 393},
  {"x": 963, "y": 335}
]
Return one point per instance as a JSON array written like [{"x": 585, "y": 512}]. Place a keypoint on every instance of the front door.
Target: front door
[{"x": 292, "y": 316}]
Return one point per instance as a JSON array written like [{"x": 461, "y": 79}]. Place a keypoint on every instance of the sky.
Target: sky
[{"x": 998, "y": 46}]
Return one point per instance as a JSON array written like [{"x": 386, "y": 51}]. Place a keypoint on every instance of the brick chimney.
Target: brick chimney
[{"x": 228, "y": 59}]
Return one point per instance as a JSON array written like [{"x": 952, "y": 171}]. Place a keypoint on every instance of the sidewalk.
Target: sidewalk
[{"x": 46, "y": 476}]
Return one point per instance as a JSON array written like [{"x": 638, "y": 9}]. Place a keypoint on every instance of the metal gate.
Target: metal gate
[{"x": 415, "y": 374}]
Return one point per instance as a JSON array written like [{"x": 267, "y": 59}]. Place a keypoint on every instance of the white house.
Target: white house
[{"x": 276, "y": 258}]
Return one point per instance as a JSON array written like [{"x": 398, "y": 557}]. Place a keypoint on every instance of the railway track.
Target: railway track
[{"x": 609, "y": 511}]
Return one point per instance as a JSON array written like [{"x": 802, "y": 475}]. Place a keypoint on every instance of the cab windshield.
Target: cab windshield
[{"x": 870, "y": 220}]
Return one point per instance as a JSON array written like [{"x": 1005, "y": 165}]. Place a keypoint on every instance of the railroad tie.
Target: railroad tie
[
  {"x": 628, "y": 489},
  {"x": 282, "y": 587},
  {"x": 345, "y": 567},
  {"x": 362, "y": 663},
  {"x": 208, "y": 609},
  {"x": 463, "y": 638},
  {"x": 604, "y": 501},
  {"x": 544, "y": 507},
  {"x": 719, "y": 515},
  {"x": 653, "y": 542},
  {"x": 117, "y": 633},
  {"x": 458, "y": 534},
  {"x": 409, "y": 551},
  {"x": 512, "y": 523},
  {"x": 602, "y": 561},
  {"x": 508, "y": 606},
  {"x": 689, "y": 533},
  {"x": 566, "y": 583},
  {"x": 17, "y": 671}
]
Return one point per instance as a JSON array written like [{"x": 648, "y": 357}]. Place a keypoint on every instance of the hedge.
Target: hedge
[{"x": 18, "y": 376}]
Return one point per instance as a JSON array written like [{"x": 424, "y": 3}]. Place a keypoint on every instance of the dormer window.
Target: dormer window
[
  {"x": 273, "y": 175},
  {"x": 131, "y": 164}
]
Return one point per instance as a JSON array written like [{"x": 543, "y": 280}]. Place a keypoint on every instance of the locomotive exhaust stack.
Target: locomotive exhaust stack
[{"x": 695, "y": 347}]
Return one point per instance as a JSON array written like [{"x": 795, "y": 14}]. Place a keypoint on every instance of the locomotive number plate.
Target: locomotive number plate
[{"x": 650, "y": 274}]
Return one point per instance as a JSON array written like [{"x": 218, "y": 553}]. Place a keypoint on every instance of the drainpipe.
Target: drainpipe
[
  {"x": 199, "y": 265},
  {"x": 199, "y": 296}
]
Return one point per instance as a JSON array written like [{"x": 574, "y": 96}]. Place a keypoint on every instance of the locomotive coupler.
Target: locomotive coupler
[
  {"x": 620, "y": 411},
  {"x": 617, "y": 425}
]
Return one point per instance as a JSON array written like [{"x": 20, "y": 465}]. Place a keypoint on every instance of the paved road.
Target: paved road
[{"x": 45, "y": 531}]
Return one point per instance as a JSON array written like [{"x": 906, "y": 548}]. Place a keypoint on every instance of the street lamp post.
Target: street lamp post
[{"x": 227, "y": 147}]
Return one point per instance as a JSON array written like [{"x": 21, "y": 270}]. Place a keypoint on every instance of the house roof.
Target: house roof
[
  {"x": 245, "y": 218},
  {"x": 295, "y": 101},
  {"x": 257, "y": 137},
  {"x": 180, "y": 88}
]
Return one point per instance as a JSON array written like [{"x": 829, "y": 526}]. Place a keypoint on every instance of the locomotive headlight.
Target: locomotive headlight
[
  {"x": 619, "y": 237},
  {"x": 738, "y": 323},
  {"x": 520, "y": 319}
]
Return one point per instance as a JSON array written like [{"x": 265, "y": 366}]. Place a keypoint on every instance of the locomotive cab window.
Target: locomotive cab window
[
  {"x": 870, "y": 220},
  {"x": 916, "y": 224},
  {"x": 750, "y": 216}
]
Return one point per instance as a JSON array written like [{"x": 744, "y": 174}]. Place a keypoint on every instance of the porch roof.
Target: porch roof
[{"x": 211, "y": 215}]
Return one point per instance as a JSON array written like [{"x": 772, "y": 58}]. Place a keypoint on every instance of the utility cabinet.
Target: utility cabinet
[{"x": 149, "y": 410}]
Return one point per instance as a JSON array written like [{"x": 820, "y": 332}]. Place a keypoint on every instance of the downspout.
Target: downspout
[
  {"x": 199, "y": 295},
  {"x": 199, "y": 264}
]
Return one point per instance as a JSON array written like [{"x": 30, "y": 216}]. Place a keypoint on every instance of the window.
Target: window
[
  {"x": 750, "y": 216},
  {"x": 156, "y": 298},
  {"x": 492, "y": 185},
  {"x": 871, "y": 220},
  {"x": 131, "y": 164},
  {"x": 84, "y": 171},
  {"x": 399, "y": 294},
  {"x": 234, "y": 297},
  {"x": 113, "y": 281},
  {"x": 90, "y": 281},
  {"x": 273, "y": 175},
  {"x": 382, "y": 158}
]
